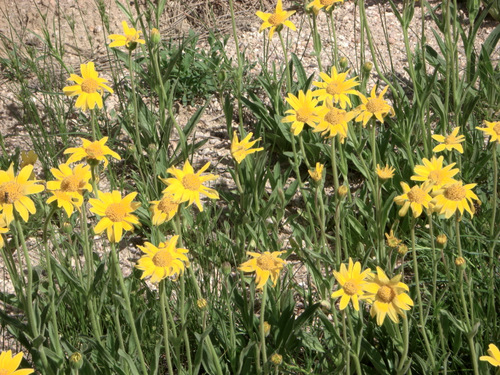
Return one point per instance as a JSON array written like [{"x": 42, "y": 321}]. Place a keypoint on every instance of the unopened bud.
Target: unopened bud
[
  {"x": 402, "y": 249},
  {"x": 276, "y": 359},
  {"x": 460, "y": 262},
  {"x": 343, "y": 62},
  {"x": 226, "y": 268},
  {"x": 342, "y": 192},
  {"x": 202, "y": 303},
  {"x": 441, "y": 240},
  {"x": 367, "y": 67},
  {"x": 155, "y": 36},
  {"x": 76, "y": 361},
  {"x": 267, "y": 328}
]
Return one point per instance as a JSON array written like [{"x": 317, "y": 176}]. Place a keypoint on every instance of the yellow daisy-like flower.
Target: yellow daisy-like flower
[
  {"x": 494, "y": 356},
  {"x": 333, "y": 121},
  {"x": 130, "y": 38},
  {"x": 388, "y": 296},
  {"x": 373, "y": 106},
  {"x": 432, "y": 171},
  {"x": 240, "y": 149},
  {"x": 317, "y": 173},
  {"x": 89, "y": 87},
  {"x": 93, "y": 152},
  {"x": 9, "y": 364},
  {"x": 449, "y": 142},
  {"x": 115, "y": 212},
  {"x": 385, "y": 173},
  {"x": 14, "y": 191},
  {"x": 187, "y": 186},
  {"x": 305, "y": 111},
  {"x": 453, "y": 197},
  {"x": 352, "y": 284},
  {"x": 276, "y": 20},
  {"x": 392, "y": 240},
  {"x": 266, "y": 265},
  {"x": 317, "y": 5},
  {"x": 417, "y": 198},
  {"x": 164, "y": 209},
  {"x": 163, "y": 261},
  {"x": 492, "y": 129},
  {"x": 336, "y": 87}
]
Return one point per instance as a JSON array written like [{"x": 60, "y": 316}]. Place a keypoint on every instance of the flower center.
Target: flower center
[
  {"x": 386, "y": 294},
  {"x": 335, "y": 116},
  {"x": 455, "y": 192},
  {"x": 89, "y": 85},
  {"x": 10, "y": 192},
  {"x": 4, "y": 371},
  {"x": 266, "y": 262},
  {"x": 350, "y": 288},
  {"x": 94, "y": 151},
  {"x": 375, "y": 105},
  {"x": 163, "y": 258},
  {"x": 333, "y": 88},
  {"x": 326, "y": 3},
  {"x": 436, "y": 177},
  {"x": 303, "y": 115},
  {"x": 496, "y": 128},
  {"x": 166, "y": 205},
  {"x": 71, "y": 184},
  {"x": 116, "y": 212},
  {"x": 416, "y": 195},
  {"x": 450, "y": 140},
  {"x": 191, "y": 182},
  {"x": 274, "y": 20}
]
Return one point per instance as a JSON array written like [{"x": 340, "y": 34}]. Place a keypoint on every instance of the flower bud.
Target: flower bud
[
  {"x": 342, "y": 192},
  {"x": 343, "y": 62},
  {"x": 76, "y": 361},
  {"x": 267, "y": 329},
  {"x": 155, "y": 36},
  {"x": 441, "y": 240},
  {"x": 226, "y": 268},
  {"x": 276, "y": 359},
  {"x": 367, "y": 67},
  {"x": 202, "y": 303},
  {"x": 460, "y": 262},
  {"x": 402, "y": 249}
]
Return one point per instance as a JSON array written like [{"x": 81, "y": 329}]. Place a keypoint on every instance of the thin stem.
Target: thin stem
[
  {"x": 355, "y": 354},
  {"x": 262, "y": 329},
  {"x": 164, "y": 320},
  {"x": 337, "y": 212},
  {"x": 406, "y": 342},
  {"x": 287, "y": 68}
]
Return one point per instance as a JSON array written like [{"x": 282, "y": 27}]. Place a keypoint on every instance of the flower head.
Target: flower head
[
  {"x": 333, "y": 121},
  {"x": 115, "y": 212},
  {"x": 14, "y": 191},
  {"x": 317, "y": 5},
  {"x": 388, "y": 296},
  {"x": 240, "y": 149},
  {"x": 187, "y": 186},
  {"x": 373, "y": 106},
  {"x": 266, "y": 265},
  {"x": 433, "y": 172},
  {"x": 276, "y": 20},
  {"x": 336, "y": 88},
  {"x": 9, "y": 364},
  {"x": 494, "y": 356},
  {"x": 352, "y": 284},
  {"x": 417, "y": 198},
  {"x": 89, "y": 87},
  {"x": 392, "y": 240},
  {"x": 492, "y": 129},
  {"x": 304, "y": 111},
  {"x": 129, "y": 39},
  {"x": 93, "y": 152},
  {"x": 163, "y": 261},
  {"x": 164, "y": 209},
  {"x": 449, "y": 142},
  {"x": 453, "y": 197},
  {"x": 317, "y": 173},
  {"x": 385, "y": 173}
]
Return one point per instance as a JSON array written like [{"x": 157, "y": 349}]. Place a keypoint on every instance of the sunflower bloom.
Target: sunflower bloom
[
  {"x": 130, "y": 38},
  {"x": 433, "y": 172},
  {"x": 9, "y": 364},
  {"x": 317, "y": 173},
  {"x": 14, "y": 191},
  {"x": 93, "y": 152},
  {"x": 187, "y": 186},
  {"x": 373, "y": 106},
  {"x": 492, "y": 129},
  {"x": 417, "y": 198},
  {"x": 385, "y": 173},
  {"x": 333, "y": 121},
  {"x": 266, "y": 265},
  {"x": 115, "y": 212},
  {"x": 163, "y": 261},
  {"x": 89, "y": 87},
  {"x": 494, "y": 356},
  {"x": 317, "y": 5},
  {"x": 352, "y": 284},
  {"x": 164, "y": 209},
  {"x": 240, "y": 149},
  {"x": 304, "y": 111},
  {"x": 455, "y": 197},
  {"x": 336, "y": 88},
  {"x": 449, "y": 142},
  {"x": 388, "y": 296},
  {"x": 276, "y": 20}
]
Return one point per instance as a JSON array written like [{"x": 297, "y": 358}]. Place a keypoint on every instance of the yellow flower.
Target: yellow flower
[
  {"x": 317, "y": 173},
  {"x": 388, "y": 296},
  {"x": 493, "y": 129},
  {"x": 68, "y": 189},
  {"x": 494, "y": 356},
  {"x": 454, "y": 197},
  {"x": 14, "y": 191},
  {"x": 187, "y": 186},
  {"x": 304, "y": 111},
  {"x": 449, "y": 142},
  {"x": 115, "y": 212},
  {"x": 163, "y": 261},
  {"x": 266, "y": 265},
  {"x": 417, "y": 198},
  {"x": 164, "y": 209},
  {"x": 27, "y": 158},
  {"x": 432, "y": 171},
  {"x": 276, "y": 20},
  {"x": 385, "y": 173},
  {"x": 373, "y": 106},
  {"x": 317, "y": 5},
  {"x": 392, "y": 240},
  {"x": 352, "y": 284},
  {"x": 336, "y": 88},
  {"x": 129, "y": 39},
  {"x": 89, "y": 87},
  {"x": 9, "y": 364},
  {"x": 334, "y": 121},
  {"x": 93, "y": 152},
  {"x": 240, "y": 150}
]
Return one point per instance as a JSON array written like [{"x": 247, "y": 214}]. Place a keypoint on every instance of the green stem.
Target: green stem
[
  {"x": 316, "y": 42},
  {"x": 337, "y": 200},
  {"x": 287, "y": 68},
  {"x": 137, "y": 140},
  {"x": 262, "y": 330},
  {"x": 376, "y": 195},
  {"x": 183, "y": 323},
  {"x": 355, "y": 353},
  {"x": 347, "y": 344},
  {"x": 164, "y": 320},
  {"x": 406, "y": 342},
  {"x": 334, "y": 37}
]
